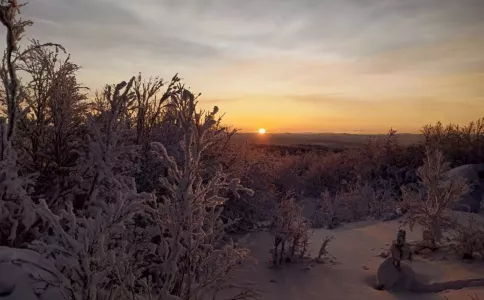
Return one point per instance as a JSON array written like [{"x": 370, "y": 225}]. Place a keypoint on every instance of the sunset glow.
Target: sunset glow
[
  {"x": 297, "y": 66},
  {"x": 262, "y": 131}
]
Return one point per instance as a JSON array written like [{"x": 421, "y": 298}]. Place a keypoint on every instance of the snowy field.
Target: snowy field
[{"x": 356, "y": 247}]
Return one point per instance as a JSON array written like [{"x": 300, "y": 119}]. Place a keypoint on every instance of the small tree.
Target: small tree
[
  {"x": 16, "y": 207},
  {"x": 290, "y": 228},
  {"x": 467, "y": 238},
  {"x": 91, "y": 251},
  {"x": 323, "y": 250},
  {"x": 193, "y": 255},
  {"x": 327, "y": 214},
  {"x": 434, "y": 196},
  {"x": 16, "y": 213}
]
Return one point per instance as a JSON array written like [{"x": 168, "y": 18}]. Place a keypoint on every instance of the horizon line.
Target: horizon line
[{"x": 328, "y": 132}]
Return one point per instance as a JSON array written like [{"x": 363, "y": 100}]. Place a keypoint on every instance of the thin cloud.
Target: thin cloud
[
  {"x": 336, "y": 55},
  {"x": 339, "y": 28}
]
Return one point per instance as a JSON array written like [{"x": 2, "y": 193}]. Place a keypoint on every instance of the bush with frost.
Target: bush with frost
[
  {"x": 192, "y": 256},
  {"x": 16, "y": 213},
  {"x": 461, "y": 144},
  {"x": 49, "y": 136},
  {"x": 428, "y": 203},
  {"x": 291, "y": 231},
  {"x": 87, "y": 240},
  {"x": 355, "y": 202},
  {"x": 467, "y": 239},
  {"x": 256, "y": 170}
]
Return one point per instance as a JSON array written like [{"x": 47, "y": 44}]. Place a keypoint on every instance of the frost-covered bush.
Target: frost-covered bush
[
  {"x": 327, "y": 212},
  {"x": 460, "y": 144},
  {"x": 328, "y": 172},
  {"x": 191, "y": 256},
  {"x": 382, "y": 162},
  {"x": 468, "y": 238},
  {"x": 154, "y": 121},
  {"x": 256, "y": 170},
  {"x": 107, "y": 158},
  {"x": 86, "y": 239},
  {"x": 92, "y": 251},
  {"x": 16, "y": 214},
  {"x": 291, "y": 231},
  {"x": 49, "y": 134},
  {"x": 355, "y": 202},
  {"x": 428, "y": 203},
  {"x": 323, "y": 253},
  {"x": 361, "y": 200}
]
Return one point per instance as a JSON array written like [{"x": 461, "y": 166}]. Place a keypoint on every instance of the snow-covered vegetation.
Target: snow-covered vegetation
[{"x": 137, "y": 194}]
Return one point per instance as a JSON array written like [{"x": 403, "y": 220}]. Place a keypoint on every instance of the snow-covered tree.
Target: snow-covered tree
[
  {"x": 290, "y": 230},
  {"x": 91, "y": 251},
  {"x": 16, "y": 213},
  {"x": 49, "y": 135},
  {"x": 428, "y": 204},
  {"x": 193, "y": 254}
]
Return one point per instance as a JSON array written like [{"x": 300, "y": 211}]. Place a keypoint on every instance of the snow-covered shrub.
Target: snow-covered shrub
[
  {"x": 328, "y": 172},
  {"x": 149, "y": 105},
  {"x": 290, "y": 170},
  {"x": 106, "y": 160},
  {"x": 360, "y": 200},
  {"x": 256, "y": 170},
  {"x": 468, "y": 238},
  {"x": 49, "y": 135},
  {"x": 290, "y": 230},
  {"x": 327, "y": 213},
  {"x": 428, "y": 203},
  {"x": 323, "y": 253},
  {"x": 92, "y": 251},
  {"x": 16, "y": 213},
  {"x": 355, "y": 202},
  {"x": 153, "y": 120},
  {"x": 460, "y": 144},
  {"x": 87, "y": 239},
  {"x": 192, "y": 255}
]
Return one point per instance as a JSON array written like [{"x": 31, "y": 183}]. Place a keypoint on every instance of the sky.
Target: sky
[{"x": 287, "y": 65}]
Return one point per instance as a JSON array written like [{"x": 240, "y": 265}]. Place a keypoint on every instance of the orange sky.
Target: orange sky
[
  {"x": 288, "y": 65},
  {"x": 370, "y": 94}
]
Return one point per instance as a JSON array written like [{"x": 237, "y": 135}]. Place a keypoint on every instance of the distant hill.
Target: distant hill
[{"x": 321, "y": 140}]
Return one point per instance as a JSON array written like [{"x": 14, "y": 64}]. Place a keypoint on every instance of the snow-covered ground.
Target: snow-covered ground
[
  {"x": 356, "y": 247},
  {"x": 22, "y": 272}
]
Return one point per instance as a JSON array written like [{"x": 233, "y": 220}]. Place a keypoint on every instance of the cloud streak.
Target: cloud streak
[{"x": 262, "y": 52}]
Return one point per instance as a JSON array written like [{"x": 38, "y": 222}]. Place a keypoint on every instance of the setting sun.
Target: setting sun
[{"x": 262, "y": 131}]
